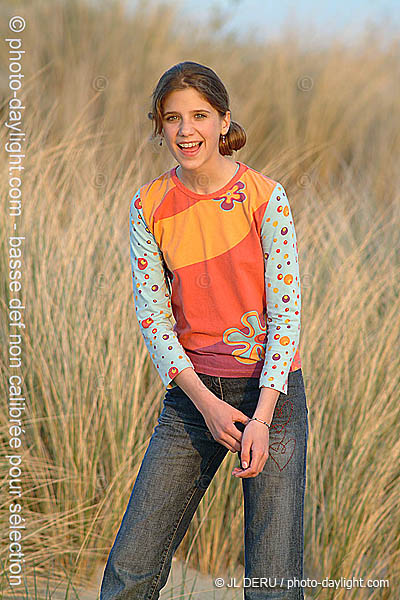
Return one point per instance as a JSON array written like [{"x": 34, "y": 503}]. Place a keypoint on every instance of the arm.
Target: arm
[
  {"x": 283, "y": 296},
  {"x": 152, "y": 298},
  {"x": 282, "y": 286}
]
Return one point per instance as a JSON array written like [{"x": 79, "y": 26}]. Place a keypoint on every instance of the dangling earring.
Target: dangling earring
[
  {"x": 223, "y": 139},
  {"x": 161, "y": 141}
]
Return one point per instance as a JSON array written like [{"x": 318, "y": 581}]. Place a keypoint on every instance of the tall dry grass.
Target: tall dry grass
[{"x": 325, "y": 124}]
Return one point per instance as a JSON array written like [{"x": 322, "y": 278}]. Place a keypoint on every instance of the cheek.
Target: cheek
[
  {"x": 210, "y": 131},
  {"x": 170, "y": 132}
]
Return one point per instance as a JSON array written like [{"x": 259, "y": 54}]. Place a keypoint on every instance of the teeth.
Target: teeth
[{"x": 191, "y": 145}]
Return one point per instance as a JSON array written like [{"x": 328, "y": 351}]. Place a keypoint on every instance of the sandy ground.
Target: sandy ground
[{"x": 197, "y": 587}]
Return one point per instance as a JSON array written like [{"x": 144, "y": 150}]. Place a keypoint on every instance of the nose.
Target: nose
[{"x": 185, "y": 128}]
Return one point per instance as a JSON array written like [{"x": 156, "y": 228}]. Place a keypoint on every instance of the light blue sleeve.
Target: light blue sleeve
[
  {"x": 283, "y": 293},
  {"x": 152, "y": 298}
]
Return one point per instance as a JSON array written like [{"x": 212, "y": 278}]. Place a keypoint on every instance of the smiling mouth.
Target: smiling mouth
[{"x": 194, "y": 147}]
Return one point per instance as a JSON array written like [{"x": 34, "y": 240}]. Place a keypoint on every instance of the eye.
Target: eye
[{"x": 170, "y": 117}]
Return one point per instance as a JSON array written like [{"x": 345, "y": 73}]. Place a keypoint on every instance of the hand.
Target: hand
[
  {"x": 255, "y": 439},
  {"x": 220, "y": 417}
]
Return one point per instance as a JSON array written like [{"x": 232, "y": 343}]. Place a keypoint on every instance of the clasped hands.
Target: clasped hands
[{"x": 252, "y": 443}]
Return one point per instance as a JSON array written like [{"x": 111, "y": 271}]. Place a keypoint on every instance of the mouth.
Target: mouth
[{"x": 191, "y": 150}]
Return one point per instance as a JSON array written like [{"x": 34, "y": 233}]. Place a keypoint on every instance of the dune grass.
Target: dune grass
[{"x": 326, "y": 125}]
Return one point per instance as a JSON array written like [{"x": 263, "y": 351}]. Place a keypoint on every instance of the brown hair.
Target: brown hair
[{"x": 203, "y": 79}]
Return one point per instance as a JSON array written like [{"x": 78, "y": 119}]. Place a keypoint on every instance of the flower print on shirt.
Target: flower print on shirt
[{"x": 231, "y": 196}]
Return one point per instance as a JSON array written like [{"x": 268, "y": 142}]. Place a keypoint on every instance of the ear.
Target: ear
[{"x": 226, "y": 120}]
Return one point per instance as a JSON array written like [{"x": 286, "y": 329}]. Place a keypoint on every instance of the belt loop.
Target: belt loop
[{"x": 220, "y": 387}]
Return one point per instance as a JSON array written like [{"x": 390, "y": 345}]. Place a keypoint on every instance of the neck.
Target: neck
[{"x": 207, "y": 178}]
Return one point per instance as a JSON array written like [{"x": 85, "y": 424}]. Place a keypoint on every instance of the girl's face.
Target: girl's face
[{"x": 188, "y": 117}]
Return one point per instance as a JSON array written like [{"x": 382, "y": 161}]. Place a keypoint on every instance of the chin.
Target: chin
[{"x": 190, "y": 164}]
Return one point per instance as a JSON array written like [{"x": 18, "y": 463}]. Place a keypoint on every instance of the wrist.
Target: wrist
[
  {"x": 191, "y": 384},
  {"x": 266, "y": 404},
  {"x": 258, "y": 420},
  {"x": 204, "y": 399}
]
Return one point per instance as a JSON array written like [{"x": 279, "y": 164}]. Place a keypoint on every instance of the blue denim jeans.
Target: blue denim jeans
[{"x": 180, "y": 461}]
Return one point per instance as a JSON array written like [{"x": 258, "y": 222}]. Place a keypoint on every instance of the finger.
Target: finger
[
  {"x": 263, "y": 460},
  {"x": 244, "y": 464},
  {"x": 236, "y": 431},
  {"x": 228, "y": 446},
  {"x": 238, "y": 472},
  {"x": 257, "y": 456},
  {"x": 245, "y": 456},
  {"x": 232, "y": 440},
  {"x": 241, "y": 417},
  {"x": 231, "y": 444},
  {"x": 249, "y": 472},
  {"x": 244, "y": 475}
]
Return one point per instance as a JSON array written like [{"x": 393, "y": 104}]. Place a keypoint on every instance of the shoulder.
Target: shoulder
[
  {"x": 260, "y": 186},
  {"x": 148, "y": 197},
  {"x": 157, "y": 186},
  {"x": 261, "y": 178}
]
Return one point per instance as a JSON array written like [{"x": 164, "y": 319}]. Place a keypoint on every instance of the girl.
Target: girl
[{"x": 213, "y": 242}]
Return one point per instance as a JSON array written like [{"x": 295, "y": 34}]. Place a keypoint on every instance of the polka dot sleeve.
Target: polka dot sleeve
[
  {"x": 152, "y": 298},
  {"x": 282, "y": 285}
]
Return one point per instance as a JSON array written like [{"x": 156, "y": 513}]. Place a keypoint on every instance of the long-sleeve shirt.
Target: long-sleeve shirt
[{"x": 225, "y": 265}]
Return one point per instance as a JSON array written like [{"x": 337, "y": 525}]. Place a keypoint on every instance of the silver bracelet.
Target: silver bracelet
[{"x": 261, "y": 421}]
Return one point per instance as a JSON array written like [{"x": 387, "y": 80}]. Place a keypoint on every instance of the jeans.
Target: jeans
[{"x": 180, "y": 461}]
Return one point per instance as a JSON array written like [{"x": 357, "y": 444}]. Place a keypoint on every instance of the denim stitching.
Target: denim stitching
[
  {"x": 170, "y": 543},
  {"x": 196, "y": 489},
  {"x": 300, "y": 521},
  {"x": 281, "y": 447}
]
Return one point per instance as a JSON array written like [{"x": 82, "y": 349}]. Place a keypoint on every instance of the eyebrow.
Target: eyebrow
[{"x": 175, "y": 112}]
